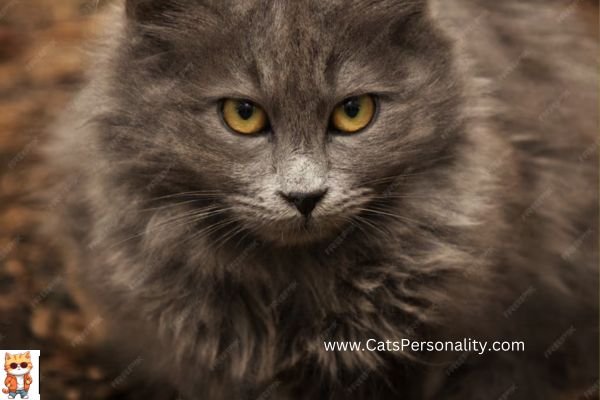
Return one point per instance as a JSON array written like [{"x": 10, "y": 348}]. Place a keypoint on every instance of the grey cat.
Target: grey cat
[{"x": 244, "y": 180}]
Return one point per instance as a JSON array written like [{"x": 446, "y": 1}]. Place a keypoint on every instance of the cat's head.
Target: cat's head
[
  {"x": 17, "y": 364},
  {"x": 288, "y": 119}
]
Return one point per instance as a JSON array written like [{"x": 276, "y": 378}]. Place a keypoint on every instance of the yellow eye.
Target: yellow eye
[
  {"x": 245, "y": 117},
  {"x": 353, "y": 114}
]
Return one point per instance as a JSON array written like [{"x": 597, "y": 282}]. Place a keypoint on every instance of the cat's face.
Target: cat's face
[
  {"x": 293, "y": 117},
  {"x": 17, "y": 364}
]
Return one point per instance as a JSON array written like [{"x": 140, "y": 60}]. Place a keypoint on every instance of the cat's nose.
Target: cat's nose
[{"x": 305, "y": 202}]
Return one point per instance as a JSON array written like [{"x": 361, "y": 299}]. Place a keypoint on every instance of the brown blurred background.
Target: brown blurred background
[{"x": 42, "y": 58}]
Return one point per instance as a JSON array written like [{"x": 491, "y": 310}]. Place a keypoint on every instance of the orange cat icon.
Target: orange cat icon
[{"x": 18, "y": 378}]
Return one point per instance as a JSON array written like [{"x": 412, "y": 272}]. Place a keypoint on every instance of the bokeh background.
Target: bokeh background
[{"x": 43, "y": 55}]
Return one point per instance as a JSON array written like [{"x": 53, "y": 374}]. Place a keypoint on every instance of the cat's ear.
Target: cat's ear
[
  {"x": 6, "y": 356},
  {"x": 27, "y": 354},
  {"x": 415, "y": 30}
]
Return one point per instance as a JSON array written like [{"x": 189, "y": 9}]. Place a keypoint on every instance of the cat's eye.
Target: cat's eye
[
  {"x": 244, "y": 116},
  {"x": 353, "y": 114}
]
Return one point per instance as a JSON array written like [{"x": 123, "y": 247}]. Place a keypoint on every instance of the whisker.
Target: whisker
[
  {"x": 402, "y": 196},
  {"x": 409, "y": 175},
  {"x": 394, "y": 177},
  {"x": 228, "y": 236},
  {"x": 371, "y": 225},
  {"x": 203, "y": 193},
  {"x": 192, "y": 214},
  {"x": 355, "y": 224},
  {"x": 241, "y": 239},
  {"x": 210, "y": 229},
  {"x": 170, "y": 205},
  {"x": 383, "y": 212},
  {"x": 189, "y": 217}
]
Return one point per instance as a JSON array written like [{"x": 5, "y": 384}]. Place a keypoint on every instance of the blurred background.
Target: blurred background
[{"x": 43, "y": 47}]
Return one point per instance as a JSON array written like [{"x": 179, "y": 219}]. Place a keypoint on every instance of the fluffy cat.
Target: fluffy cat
[
  {"x": 18, "y": 378},
  {"x": 228, "y": 215}
]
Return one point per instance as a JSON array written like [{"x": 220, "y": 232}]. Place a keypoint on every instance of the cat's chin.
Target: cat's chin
[
  {"x": 298, "y": 235},
  {"x": 295, "y": 239}
]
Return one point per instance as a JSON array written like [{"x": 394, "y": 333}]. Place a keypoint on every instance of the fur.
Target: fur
[{"x": 467, "y": 209}]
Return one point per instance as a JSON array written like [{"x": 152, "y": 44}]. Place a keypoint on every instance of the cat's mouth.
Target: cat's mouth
[
  {"x": 19, "y": 372},
  {"x": 294, "y": 230},
  {"x": 295, "y": 220},
  {"x": 298, "y": 231}
]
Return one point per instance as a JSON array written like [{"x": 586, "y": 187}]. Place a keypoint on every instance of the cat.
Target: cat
[
  {"x": 244, "y": 180},
  {"x": 18, "y": 377}
]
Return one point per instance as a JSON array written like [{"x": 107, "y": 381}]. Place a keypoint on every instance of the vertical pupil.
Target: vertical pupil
[
  {"x": 352, "y": 108},
  {"x": 245, "y": 110}
]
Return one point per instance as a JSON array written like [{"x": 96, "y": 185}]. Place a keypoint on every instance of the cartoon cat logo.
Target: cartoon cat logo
[{"x": 18, "y": 377}]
